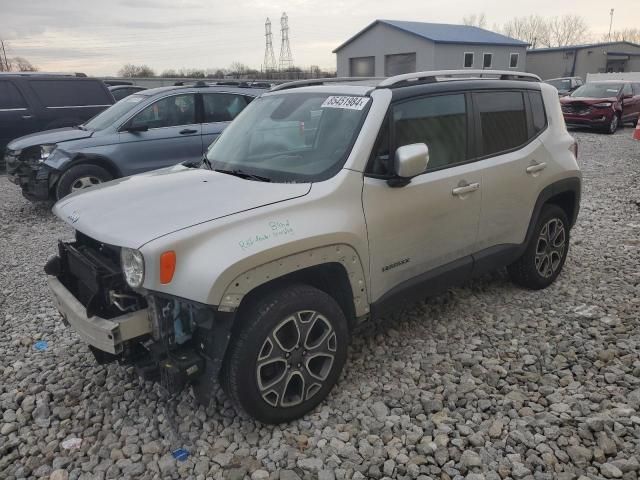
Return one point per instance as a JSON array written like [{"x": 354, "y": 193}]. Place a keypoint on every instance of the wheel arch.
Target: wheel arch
[
  {"x": 97, "y": 160},
  {"x": 334, "y": 269}
]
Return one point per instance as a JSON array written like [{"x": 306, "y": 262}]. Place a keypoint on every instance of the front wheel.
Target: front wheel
[
  {"x": 80, "y": 177},
  {"x": 287, "y": 354},
  {"x": 614, "y": 123},
  {"x": 546, "y": 252}
]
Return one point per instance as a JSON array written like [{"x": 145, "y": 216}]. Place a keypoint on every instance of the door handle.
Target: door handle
[
  {"x": 464, "y": 189},
  {"x": 536, "y": 167},
  {"x": 27, "y": 117},
  {"x": 188, "y": 130}
]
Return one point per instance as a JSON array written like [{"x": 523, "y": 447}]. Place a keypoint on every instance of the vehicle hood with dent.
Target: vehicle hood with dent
[
  {"x": 587, "y": 100},
  {"x": 132, "y": 211},
  {"x": 57, "y": 135}
]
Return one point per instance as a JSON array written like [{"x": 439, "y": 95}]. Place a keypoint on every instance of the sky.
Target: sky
[{"x": 98, "y": 37}]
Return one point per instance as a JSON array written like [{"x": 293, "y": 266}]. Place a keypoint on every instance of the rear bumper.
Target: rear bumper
[{"x": 105, "y": 335}]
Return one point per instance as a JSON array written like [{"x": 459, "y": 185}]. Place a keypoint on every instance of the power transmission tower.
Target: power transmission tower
[
  {"x": 4, "y": 63},
  {"x": 269, "y": 56},
  {"x": 286, "y": 60}
]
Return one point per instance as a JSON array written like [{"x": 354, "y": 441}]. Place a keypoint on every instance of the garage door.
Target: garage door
[
  {"x": 399, "y": 63},
  {"x": 362, "y": 67}
]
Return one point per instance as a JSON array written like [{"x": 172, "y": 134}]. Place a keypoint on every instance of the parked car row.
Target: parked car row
[
  {"x": 603, "y": 105},
  {"x": 147, "y": 130},
  {"x": 322, "y": 206}
]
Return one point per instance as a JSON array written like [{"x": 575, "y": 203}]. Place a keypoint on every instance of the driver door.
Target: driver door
[{"x": 165, "y": 133}]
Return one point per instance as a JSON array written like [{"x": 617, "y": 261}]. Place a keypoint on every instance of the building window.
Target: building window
[
  {"x": 399, "y": 63},
  {"x": 468, "y": 59},
  {"x": 513, "y": 60},
  {"x": 362, "y": 67},
  {"x": 487, "y": 59}
]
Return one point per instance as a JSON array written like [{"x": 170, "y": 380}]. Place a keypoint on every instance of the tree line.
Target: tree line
[
  {"x": 236, "y": 70},
  {"x": 560, "y": 31}
]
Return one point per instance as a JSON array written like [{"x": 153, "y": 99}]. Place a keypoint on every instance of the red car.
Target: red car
[{"x": 602, "y": 105}]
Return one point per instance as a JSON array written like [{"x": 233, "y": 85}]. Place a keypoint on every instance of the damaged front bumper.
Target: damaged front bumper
[
  {"x": 34, "y": 178},
  {"x": 170, "y": 339}
]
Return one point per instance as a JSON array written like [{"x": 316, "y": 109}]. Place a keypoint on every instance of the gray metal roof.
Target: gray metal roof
[
  {"x": 580, "y": 47},
  {"x": 444, "y": 33}
]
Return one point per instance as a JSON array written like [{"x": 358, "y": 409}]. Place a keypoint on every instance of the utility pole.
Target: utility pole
[
  {"x": 286, "y": 61},
  {"x": 269, "y": 57},
  {"x": 610, "y": 23}
]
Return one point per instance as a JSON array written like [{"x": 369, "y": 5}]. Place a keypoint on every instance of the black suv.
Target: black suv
[{"x": 32, "y": 102}]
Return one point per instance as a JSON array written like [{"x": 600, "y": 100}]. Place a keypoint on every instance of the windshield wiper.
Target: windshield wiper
[{"x": 243, "y": 174}]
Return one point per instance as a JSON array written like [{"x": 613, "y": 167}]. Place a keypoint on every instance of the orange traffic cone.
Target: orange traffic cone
[{"x": 636, "y": 133}]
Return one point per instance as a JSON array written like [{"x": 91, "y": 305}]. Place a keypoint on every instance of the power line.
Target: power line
[{"x": 286, "y": 60}]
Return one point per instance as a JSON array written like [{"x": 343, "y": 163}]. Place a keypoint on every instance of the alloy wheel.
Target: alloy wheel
[
  {"x": 550, "y": 247},
  {"x": 613, "y": 126},
  {"x": 296, "y": 359},
  {"x": 84, "y": 182}
]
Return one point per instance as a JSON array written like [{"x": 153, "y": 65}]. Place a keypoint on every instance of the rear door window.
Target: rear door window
[
  {"x": 636, "y": 88},
  {"x": 58, "y": 93},
  {"x": 10, "y": 96},
  {"x": 222, "y": 107},
  {"x": 503, "y": 121},
  {"x": 626, "y": 90}
]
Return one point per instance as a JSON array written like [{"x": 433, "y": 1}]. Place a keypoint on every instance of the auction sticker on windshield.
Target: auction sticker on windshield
[{"x": 351, "y": 103}]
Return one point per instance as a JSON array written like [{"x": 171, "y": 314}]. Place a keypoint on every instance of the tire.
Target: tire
[
  {"x": 613, "y": 124},
  {"x": 80, "y": 177},
  {"x": 537, "y": 271},
  {"x": 255, "y": 373}
]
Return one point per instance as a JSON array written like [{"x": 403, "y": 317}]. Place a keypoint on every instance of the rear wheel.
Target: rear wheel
[
  {"x": 546, "y": 252},
  {"x": 287, "y": 354},
  {"x": 80, "y": 177}
]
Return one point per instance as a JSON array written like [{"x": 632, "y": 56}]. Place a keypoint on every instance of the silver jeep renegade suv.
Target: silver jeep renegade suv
[{"x": 323, "y": 205}]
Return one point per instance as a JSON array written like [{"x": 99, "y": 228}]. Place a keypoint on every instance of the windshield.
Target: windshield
[
  {"x": 597, "y": 90},
  {"x": 106, "y": 118},
  {"x": 560, "y": 84},
  {"x": 290, "y": 137}
]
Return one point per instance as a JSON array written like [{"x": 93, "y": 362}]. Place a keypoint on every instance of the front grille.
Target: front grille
[
  {"x": 576, "y": 109},
  {"x": 91, "y": 271}
]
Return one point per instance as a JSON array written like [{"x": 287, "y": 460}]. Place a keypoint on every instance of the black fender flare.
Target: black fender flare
[
  {"x": 571, "y": 185},
  {"x": 99, "y": 160}
]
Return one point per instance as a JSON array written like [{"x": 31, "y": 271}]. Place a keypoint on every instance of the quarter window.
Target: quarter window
[
  {"x": 167, "y": 112},
  {"x": 440, "y": 122},
  {"x": 222, "y": 107},
  {"x": 487, "y": 60},
  {"x": 503, "y": 123},
  {"x": 626, "y": 90},
  {"x": 513, "y": 60},
  {"x": 537, "y": 112},
  {"x": 468, "y": 59},
  {"x": 10, "y": 97},
  {"x": 636, "y": 88}
]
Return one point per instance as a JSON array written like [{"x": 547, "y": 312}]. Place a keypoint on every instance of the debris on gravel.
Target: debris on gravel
[{"x": 485, "y": 382}]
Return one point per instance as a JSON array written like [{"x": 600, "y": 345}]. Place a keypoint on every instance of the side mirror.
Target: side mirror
[
  {"x": 135, "y": 128},
  {"x": 411, "y": 160}
]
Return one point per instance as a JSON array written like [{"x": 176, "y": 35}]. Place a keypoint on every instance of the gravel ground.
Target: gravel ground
[{"x": 485, "y": 382}]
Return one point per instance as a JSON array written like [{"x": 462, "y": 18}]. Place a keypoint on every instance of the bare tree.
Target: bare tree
[
  {"x": 20, "y": 64},
  {"x": 568, "y": 30},
  {"x": 130, "y": 70},
  {"x": 475, "y": 20},
  {"x": 533, "y": 29},
  {"x": 627, "y": 35}
]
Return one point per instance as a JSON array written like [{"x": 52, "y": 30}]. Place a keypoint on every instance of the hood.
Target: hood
[
  {"x": 587, "y": 100},
  {"x": 132, "y": 211},
  {"x": 57, "y": 135}
]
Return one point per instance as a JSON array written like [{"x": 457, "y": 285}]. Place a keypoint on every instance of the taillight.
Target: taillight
[{"x": 574, "y": 149}]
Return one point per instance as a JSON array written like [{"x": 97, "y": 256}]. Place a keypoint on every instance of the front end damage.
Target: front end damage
[
  {"x": 25, "y": 169},
  {"x": 168, "y": 339}
]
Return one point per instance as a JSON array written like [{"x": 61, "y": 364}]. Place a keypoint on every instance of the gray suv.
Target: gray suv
[{"x": 148, "y": 130}]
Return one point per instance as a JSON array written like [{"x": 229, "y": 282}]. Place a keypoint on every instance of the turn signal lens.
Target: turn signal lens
[{"x": 167, "y": 266}]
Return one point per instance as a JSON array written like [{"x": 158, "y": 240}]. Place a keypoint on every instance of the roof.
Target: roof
[
  {"x": 444, "y": 33},
  {"x": 207, "y": 88},
  {"x": 580, "y": 47}
]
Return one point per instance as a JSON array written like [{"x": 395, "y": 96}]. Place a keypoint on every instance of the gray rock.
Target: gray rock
[
  {"x": 311, "y": 464},
  {"x": 470, "y": 459},
  {"x": 609, "y": 470}
]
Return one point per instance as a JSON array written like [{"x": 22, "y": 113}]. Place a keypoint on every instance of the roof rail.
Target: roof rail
[
  {"x": 440, "y": 75},
  {"x": 320, "y": 81}
]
